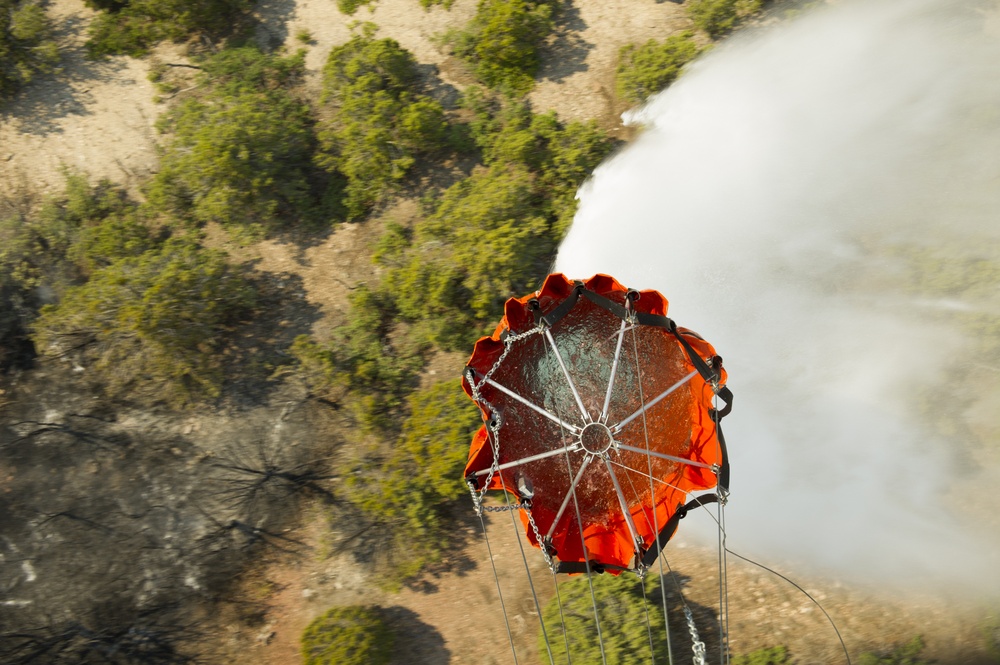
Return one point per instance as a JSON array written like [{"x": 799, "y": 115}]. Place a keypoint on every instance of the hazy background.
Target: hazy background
[{"x": 821, "y": 200}]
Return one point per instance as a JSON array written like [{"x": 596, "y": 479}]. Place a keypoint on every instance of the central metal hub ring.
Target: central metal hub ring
[{"x": 596, "y": 438}]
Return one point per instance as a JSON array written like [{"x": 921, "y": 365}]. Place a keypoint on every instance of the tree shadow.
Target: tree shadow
[
  {"x": 273, "y": 17},
  {"x": 566, "y": 53},
  {"x": 705, "y": 619},
  {"x": 38, "y": 109},
  {"x": 445, "y": 94},
  {"x": 417, "y": 642},
  {"x": 260, "y": 345}
]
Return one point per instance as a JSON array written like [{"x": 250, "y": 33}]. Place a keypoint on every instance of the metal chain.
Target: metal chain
[
  {"x": 697, "y": 646},
  {"x": 494, "y": 424},
  {"x": 503, "y": 509},
  {"x": 538, "y": 538}
]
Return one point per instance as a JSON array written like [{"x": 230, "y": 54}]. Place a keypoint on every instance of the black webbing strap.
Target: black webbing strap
[
  {"x": 606, "y": 303},
  {"x": 668, "y": 530},
  {"x": 561, "y": 310},
  {"x": 724, "y": 467},
  {"x": 710, "y": 375}
]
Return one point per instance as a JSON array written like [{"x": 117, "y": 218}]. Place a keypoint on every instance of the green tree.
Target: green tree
[
  {"x": 644, "y": 70},
  {"x": 717, "y": 17},
  {"x": 623, "y": 612},
  {"x": 376, "y": 122},
  {"x": 131, "y": 27},
  {"x": 502, "y": 41},
  {"x": 241, "y": 153},
  {"x": 26, "y": 45},
  {"x": 153, "y": 324},
  {"x": 410, "y": 488},
  {"x": 351, "y": 635}
]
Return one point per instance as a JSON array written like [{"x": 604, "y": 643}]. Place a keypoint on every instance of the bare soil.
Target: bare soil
[{"x": 94, "y": 116}]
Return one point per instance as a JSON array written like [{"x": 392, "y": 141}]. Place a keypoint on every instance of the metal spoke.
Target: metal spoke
[
  {"x": 646, "y": 475},
  {"x": 533, "y": 458},
  {"x": 572, "y": 386},
  {"x": 663, "y": 482},
  {"x": 530, "y": 405},
  {"x": 569, "y": 495},
  {"x": 645, "y": 407},
  {"x": 681, "y": 460},
  {"x": 614, "y": 370},
  {"x": 624, "y": 504}
]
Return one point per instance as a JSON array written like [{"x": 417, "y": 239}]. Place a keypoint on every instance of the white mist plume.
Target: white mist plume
[{"x": 767, "y": 199}]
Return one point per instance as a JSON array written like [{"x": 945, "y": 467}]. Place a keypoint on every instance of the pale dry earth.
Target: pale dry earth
[{"x": 95, "y": 116}]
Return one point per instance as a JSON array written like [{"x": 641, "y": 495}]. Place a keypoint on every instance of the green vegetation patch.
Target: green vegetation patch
[
  {"x": 240, "y": 153},
  {"x": 26, "y": 45},
  {"x": 718, "y": 17},
  {"x": 906, "y": 654},
  {"x": 644, "y": 70},
  {"x": 46, "y": 249},
  {"x": 131, "y": 27},
  {"x": 376, "y": 122},
  {"x": 492, "y": 235},
  {"x": 623, "y": 610},
  {"x": 154, "y": 322},
  {"x": 352, "y": 635},
  {"x": 767, "y": 656},
  {"x": 410, "y": 489},
  {"x": 361, "y": 366},
  {"x": 502, "y": 42}
]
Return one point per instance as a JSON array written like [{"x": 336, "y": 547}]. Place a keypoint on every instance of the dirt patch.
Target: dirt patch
[
  {"x": 457, "y": 617},
  {"x": 94, "y": 116},
  {"x": 577, "y": 79},
  {"x": 330, "y": 265}
]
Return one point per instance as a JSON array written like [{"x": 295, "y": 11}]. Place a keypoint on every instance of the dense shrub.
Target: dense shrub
[
  {"x": 767, "y": 656},
  {"x": 240, "y": 153},
  {"x": 151, "y": 325},
  {"x": 361, "y": 366},
  {"x": 491, "y": 235},
  {"x": 502, "y": 41},
  {"x": 717, "y": 17},
  {"x": 561, "y": 155},
  {"x": 487, "y": 240},
  {"x": 45, "y": 250},
  {"x": 623, "y": 612},
  {"x": 376, "y": 121},
  {"x": 132, "y": 26},
  {"x": 409, "y": 488},
  {"x": 646, "y": 69},
  {"x": 905, "y": 654},
  {"x": 26, "y": 45},
  {"x": 351, "y": 635}
]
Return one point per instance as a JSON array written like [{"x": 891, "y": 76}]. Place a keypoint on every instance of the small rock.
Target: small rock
[{"x": 308, "y": 593}]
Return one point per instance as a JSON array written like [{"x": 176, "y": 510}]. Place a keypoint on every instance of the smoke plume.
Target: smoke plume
[{"x": 821, "y": 200}]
